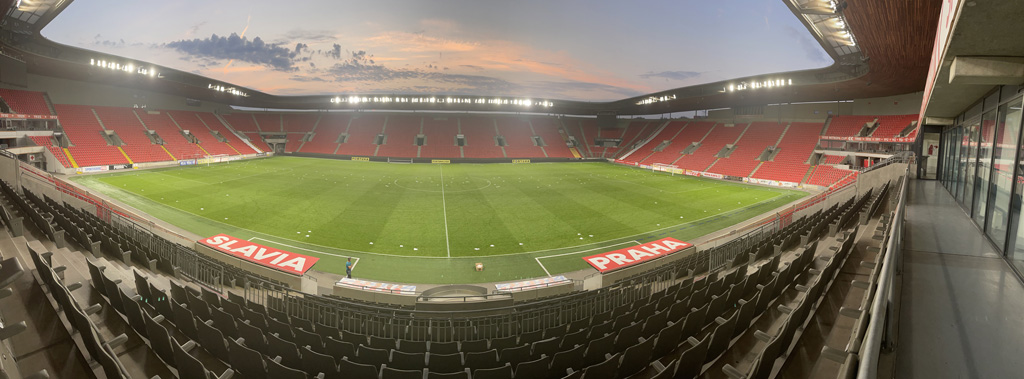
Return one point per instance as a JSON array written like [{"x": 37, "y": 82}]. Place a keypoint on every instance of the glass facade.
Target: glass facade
[{"x": 983, "y": 168}]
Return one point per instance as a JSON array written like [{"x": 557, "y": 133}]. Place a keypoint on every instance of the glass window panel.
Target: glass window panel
[
  {"x": 981, "y": 187},
  {"x": 971, "y": 131},
  {"x": 1004, "y": 154},
  {"x": 960, "y": 165}
]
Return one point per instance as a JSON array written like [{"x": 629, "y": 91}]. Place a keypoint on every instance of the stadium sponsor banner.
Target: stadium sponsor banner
[
  {"x": 92, "y": 169},
  {"x": 712, "y": 175},
  {"x": 20, "y": 116},
  {"x": 440, "y": 161},
  {"x": 869, "y": 139},
  {"x": 520, "y": 161},
  {"x": 361, "y": 159},
  {"x": 617, "y": 259},
  {"x": 120, "y": 166},
  {"x": 692, "y": 173},
  {"x": 532, "y": 284},
  {"x": 292, "y": 263},
  {"x": 620, "y": 161},
  {"x": 187, "y": 162},
  {"x": 788, "y": 184},
  {"x": 380, "y": 287}
]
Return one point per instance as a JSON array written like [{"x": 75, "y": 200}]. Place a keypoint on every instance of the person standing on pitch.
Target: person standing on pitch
[{"x": 348, "y": 268}]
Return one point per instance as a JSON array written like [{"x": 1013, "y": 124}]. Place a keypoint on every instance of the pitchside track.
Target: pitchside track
[{"x": 419, "y": 223}]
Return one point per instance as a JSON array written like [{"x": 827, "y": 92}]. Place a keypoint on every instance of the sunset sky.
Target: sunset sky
[{"x": 574, "y": 50}]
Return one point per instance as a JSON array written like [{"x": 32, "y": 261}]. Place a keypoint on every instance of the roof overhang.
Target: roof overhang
[
  {"x": 977, "y": 47},
  {"x": 877, "y": 47}
]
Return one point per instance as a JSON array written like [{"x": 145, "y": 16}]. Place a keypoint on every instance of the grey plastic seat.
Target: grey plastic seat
[
  {"x": 287, "y": 350},
  {"x": 254, "y": 337},
  {"x": 482, "y": 359},
  {"x": 10, "y": 270},
  {"x": 412, "y": 346},
  {"x": 357, "y": 370},
  {"x": 190, "y": 367},
  {"x": 537, "y": 368},
  {"x": 597, "y": 349},
  {"x": 339, "y": 349},
  {"x": 185, "y": 322},
  {"x": 573, "y": 339},
  {"x": 473, "y": 346},
  {"x": 503, "y": 372},
  {"x": 692, "y": 359},
  {"x": 654, "y": 324},
  {"x": 515, "y": 355},
  {"x": 504, "y": 343},
  {"x": 370, "y": 356},
  {"x": 246, "y": 362},
  {"x": 628, "y": 336},
  {"x": 608, "y": 369},
  {"x": 568, "y": 359},
  {"x": 384, "y": 343},
  {"x": 213, "y": 341},
  {"x": 636, "y": 358},
  {"x": 283, "y": 330},
  {"x": 445, "y": 363},
  {"x": 224, "y": 322},
  {"x": 391, "y": 373},
  {"x": 276, "y": 370},
  {"x": 408, "y": 361},
  {"x": 546, "y": 347},
  {"x": 304, "y": 338},
  {"x": 314, "y": 363},
  {"x": 450, "y": 375},
  {"x": 444, "y": 347}
]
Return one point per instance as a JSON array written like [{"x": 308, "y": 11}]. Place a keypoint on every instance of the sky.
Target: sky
[{"x": 594, "y": 50}]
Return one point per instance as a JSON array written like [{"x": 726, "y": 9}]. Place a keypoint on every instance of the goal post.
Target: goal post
[
  {"x": 664, "y": 167},
  {"x": 400, "y": 160},
  {"x": 219, "y": 158}
]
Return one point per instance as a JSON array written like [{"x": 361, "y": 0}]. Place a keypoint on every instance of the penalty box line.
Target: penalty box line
[
  {"x": 310, "y": 250},
  {"x": 578, "y": 252}
]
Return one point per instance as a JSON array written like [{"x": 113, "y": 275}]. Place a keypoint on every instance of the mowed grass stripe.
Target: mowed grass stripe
[{"x": 345, "y": 205}]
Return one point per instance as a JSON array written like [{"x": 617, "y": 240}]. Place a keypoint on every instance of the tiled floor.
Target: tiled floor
[{"x": 962, "y": 307}]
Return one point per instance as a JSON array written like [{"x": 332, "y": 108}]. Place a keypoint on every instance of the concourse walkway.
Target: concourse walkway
[{"x": 962, "y": 307}]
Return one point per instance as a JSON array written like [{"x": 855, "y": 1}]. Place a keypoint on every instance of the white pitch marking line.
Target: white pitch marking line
[
  {"x": 577, "y": 252},
  {"x": 444, "y": 209},
  {"x": 311, "y": 250}
]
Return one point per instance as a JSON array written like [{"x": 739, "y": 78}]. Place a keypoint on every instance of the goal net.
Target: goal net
[
  {"x": 673, "y": 169},
  {"x": 399, "y": 160}
]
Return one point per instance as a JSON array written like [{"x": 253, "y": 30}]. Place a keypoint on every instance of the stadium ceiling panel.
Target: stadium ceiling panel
[{"x": 878, "y": 48}]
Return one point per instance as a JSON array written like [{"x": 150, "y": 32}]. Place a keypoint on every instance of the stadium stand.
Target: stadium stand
[
  {"x": 743, "y": 160},
  {"x": 847, "y": 126},
  {"x": 518, "y": 135},
  {"x": 362, "y": 131},
  {"x": 325, "y": 138},
  {"x": 89, "y": 148},
  {"x": 629, "y": 136},
  {"x": 481, "y": 136},
  {"x": 25, "y": 102},
  {"x": 440, "y": 132},
  {"x": 242, "y": 122},
  {"x": 212, "y": 123},
  {"x": 834, "y": 159},
  {"x": 667, "y": 134},
  {"x": 400, "y": 133},
  {"x": 549, "y": 131},
  {"x": 790, "y": 163},
  {"x": 47, "y": 141},
  {"x": 892, "y": 126},
  {"x": 712, "y": 139},
  {"x": 735, "y": 322},
  {"x": 297, "y": 125},
  {"x": 127, "y": 126},
  {"x": 824, "y": 175}
]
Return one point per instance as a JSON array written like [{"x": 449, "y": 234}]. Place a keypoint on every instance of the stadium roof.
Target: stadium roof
[{"x": 877, "y": 48}]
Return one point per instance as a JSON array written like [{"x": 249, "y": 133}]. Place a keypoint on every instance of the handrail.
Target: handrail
[{"x": 877, "y": 333}]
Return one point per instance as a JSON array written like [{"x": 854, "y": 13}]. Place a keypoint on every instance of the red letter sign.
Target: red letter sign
[
  {"x": 292, "y": 263},
  {"x": 614, "y": 260}
]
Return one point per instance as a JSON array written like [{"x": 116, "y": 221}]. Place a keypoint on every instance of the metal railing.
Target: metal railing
[{"x": 880, "y": 333}]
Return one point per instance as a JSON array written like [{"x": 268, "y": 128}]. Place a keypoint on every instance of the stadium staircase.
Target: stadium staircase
[
  {"x": 643, "y": 143},
  {"x": 758, "y": 137}
]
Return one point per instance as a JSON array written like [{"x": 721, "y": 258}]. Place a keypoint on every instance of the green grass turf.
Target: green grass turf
[{"x": 420, "y": 223}]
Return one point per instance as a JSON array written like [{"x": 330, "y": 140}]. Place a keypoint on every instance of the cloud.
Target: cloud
[
  {"x": 194, "y": 29},
  {"x": 417, "y": 42},
  {"x": 238, "y": 48},
  {"x": 309, "y": 35},
  {"x": 568, "y": 87},
  {"x": 812, "y": 50},
  {"x": 671, "y": 75}
]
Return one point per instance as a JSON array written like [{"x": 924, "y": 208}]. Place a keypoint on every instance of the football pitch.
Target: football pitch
[{"x": 421, "y": 223}]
